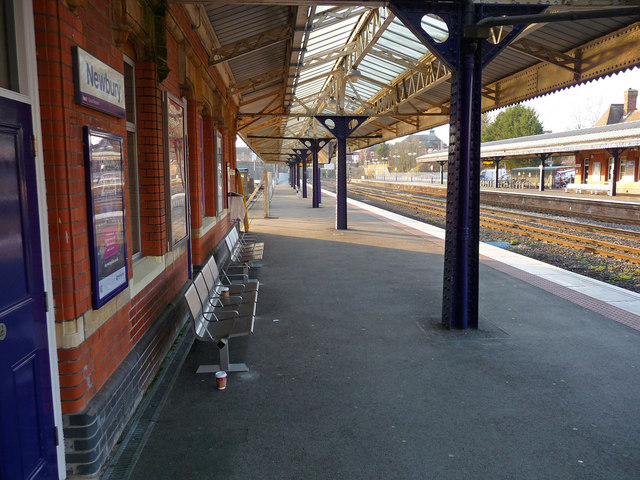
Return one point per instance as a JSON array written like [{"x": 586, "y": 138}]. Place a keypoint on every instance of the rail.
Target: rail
[{"x": 522, "y": 223}]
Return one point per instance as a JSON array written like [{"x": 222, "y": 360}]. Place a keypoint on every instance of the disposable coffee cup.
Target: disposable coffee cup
[
  {"x": 221, "y": 380},
  {"x": 224, "y": 291}
]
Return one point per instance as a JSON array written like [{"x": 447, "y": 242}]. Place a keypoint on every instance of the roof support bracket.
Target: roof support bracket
[
  {"x": 341, "y": 127},
  {"x": 465, "y": 57}
]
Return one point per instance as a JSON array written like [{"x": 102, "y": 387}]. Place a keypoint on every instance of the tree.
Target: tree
[
  {"x": 515, "y": 121},
  {"x": 382, "y": 151}
]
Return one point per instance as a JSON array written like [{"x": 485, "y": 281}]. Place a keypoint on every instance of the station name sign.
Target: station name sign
[{"x": 97, "y": 85}]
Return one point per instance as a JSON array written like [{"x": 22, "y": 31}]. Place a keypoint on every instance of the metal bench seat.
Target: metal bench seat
[
  {"x": 217, "y": 318},
  {"x": 243, "y": 252},
  {"x": 236, "y": 277}
]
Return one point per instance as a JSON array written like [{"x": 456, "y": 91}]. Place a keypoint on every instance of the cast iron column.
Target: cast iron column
[
  {"x": 302, "y": 154},
  {"x": 615, "y": 153},
  {"x": 315, "y": 145},
  {"x": 291, "y": 174},
  {"x": 341, "y": 127},
  {"x": 465, "y": 53},
  {"x": 543, "y": 158},
  {"x": 294, "y": 171},
  {"x": 442, "y": 172}
]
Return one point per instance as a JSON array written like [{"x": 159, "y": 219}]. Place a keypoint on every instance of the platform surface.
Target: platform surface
[{"x": 351, "y": 376}]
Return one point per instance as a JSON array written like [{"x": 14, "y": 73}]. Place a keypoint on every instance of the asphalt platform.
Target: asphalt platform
[{"x": 351, "y": 376}]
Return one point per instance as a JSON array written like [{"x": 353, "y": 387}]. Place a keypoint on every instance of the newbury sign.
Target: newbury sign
[{"x": 97, "y": 84}]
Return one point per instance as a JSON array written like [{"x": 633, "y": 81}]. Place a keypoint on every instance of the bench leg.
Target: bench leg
[{"x": 224, "y": 366}]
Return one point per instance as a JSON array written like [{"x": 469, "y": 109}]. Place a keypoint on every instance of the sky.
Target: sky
[
  {"x": 582, "y": 105},
  {"x": 574, "y": 107}
]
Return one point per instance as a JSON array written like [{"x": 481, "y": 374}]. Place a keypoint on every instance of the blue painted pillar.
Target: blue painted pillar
[
  {"x": 317, "y": 182},
  {"x": 331, "y": 148},
  {"x": 304, "y": 177},
  {"x": 294, "y": 170},
  {"x": 291, "y": 174},
  {"x": 302, "y": 154},
  {"x": 442, "y": 172},
  {"x": 314, "y": 145},
  {"x": 295, "y": 175},
  {"x": 465, "y": 52},
  {"x": 615, "y": 153},
  {"x": 341, "y": 127},
  {"x": 543, "y": 159}
]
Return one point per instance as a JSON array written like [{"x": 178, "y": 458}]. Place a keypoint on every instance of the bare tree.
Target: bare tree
[{"x": 586, "y": 115}]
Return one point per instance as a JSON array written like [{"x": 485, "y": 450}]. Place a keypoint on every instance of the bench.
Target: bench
[
  {"x": 592, "y": 188},
  {"x": 221, "y": 311},
  {"x": 243, "y": 250}
]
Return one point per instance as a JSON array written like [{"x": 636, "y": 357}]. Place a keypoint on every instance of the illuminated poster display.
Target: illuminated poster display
[{"x": 105, "y": 200}]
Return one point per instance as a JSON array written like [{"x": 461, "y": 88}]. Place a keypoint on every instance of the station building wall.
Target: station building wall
[
  {"x": 108, "y": 356},
  {"x": 593, "y": 168}
]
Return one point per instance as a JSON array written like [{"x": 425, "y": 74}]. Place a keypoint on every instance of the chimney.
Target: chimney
[{"x": 630, "y": 97}]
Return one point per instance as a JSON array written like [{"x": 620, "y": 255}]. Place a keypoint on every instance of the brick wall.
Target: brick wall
[
  {"x": 108, "y": 365},
  {"x": 151, "y": 170}
]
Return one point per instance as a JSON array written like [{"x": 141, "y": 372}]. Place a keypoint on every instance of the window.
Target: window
[
  {"x": 132, "y": 156},
  {"x": 627, "y": 169},
  {"x": 219, "y": 174},
  {"x": 175, "y": 143},
  {"x": 202, "y": 160},
  {"x": 595, "y": 175}
]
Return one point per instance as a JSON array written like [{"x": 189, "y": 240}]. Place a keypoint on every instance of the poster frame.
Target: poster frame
[{"x": 105, "y": 286}]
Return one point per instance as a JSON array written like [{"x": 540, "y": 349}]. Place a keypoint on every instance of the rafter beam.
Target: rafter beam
[
  {"x": 336, "y": 15},
  {"x": 259, "y": 80},
  {"x": 250, "y": 44},
  {"x": 549, "y": 55},
  {"x": 265, "y": 96},
  {"x": 329, "y": 56},
  {"x": 408, "y": 87},
  {"x": 375, "y": 25},
  {"x": 404, "y": 61}
]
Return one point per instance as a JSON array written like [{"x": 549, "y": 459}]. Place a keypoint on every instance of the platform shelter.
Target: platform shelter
[
  {"x": 118, "y": 128},
  {"x": 353, "y": 376}
]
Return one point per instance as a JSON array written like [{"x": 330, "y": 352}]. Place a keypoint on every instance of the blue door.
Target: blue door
[{"x": 27, "y": 435}]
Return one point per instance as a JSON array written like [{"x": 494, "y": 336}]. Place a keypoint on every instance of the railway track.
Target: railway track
[{"x": 616, "y": 243}]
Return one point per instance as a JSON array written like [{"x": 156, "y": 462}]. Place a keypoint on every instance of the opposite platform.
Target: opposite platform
[{"x": 353, "y": 378}]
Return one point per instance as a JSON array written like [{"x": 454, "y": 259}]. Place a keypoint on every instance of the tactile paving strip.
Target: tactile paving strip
[
  {"x": 598, "y": 306},
  {"x": 606, "y": 310}
]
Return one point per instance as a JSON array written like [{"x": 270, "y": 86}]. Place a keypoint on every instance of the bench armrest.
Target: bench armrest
[{"x": 221, "y": 315}]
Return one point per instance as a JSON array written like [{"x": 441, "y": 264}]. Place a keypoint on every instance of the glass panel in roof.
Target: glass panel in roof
[
  {"x": 364, "y": 89},
  {"x": 342, "y": 29},
  {"x": 348, "y": 22},
  {"x": 435, "y": 27},
  {"x": 381, "y": 69},
  {"x": 396, "y": 41},
  {"x": 318, "y": 75},
  {"x": 322, "y": 48}
]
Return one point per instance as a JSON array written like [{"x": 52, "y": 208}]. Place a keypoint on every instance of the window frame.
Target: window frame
[
  {"x": 218, "y": 154},
  {"x": 172, "y": 243},
  {"x": 133, "y": 169}
]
